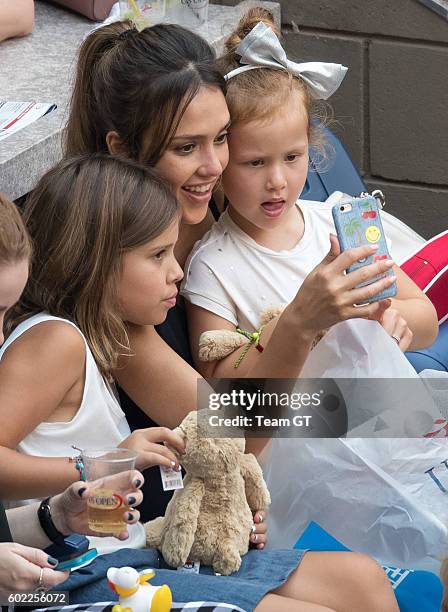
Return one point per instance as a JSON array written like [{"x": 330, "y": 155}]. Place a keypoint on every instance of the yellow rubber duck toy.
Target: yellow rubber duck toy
[{"x": 135, "y": 594}]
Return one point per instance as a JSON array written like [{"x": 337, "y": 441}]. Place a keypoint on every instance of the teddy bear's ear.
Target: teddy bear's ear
[
  {"x": 180, "y": 431},
  {"x": 189, "y": 426}
]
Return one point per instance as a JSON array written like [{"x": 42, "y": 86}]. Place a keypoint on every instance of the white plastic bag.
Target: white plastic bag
[
  {"x": 357, "y": 349},
  {"x": 384, "y": 395},
  {"x": 375, "y": 496}
]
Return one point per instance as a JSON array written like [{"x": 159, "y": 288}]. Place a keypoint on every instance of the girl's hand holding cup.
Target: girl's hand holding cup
[{"x": 70, "y": 510}]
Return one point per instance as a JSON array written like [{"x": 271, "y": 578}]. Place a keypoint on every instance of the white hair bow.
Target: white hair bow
[{"x": 262, "y": 49}]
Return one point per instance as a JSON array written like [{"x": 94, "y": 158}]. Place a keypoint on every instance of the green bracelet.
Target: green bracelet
[{"x": 254, "y": 339}]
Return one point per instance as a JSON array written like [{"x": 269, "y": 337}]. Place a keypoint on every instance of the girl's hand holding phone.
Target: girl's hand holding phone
[{"x": 328, "y": 295}]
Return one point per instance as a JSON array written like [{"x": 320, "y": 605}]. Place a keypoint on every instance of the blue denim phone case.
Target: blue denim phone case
[{"x": 362, "y": 226}]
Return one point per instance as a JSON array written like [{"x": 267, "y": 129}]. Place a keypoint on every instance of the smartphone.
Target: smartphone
[
  {"x": 78, "y": 562},
  {"x": 358, "y": 223}
]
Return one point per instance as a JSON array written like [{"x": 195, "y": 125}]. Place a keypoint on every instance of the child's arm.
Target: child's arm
[
  {"x": 412, "y": 317},
  {"x": 36, "y": 373},
  {"x": 326, "y": 297},
  {"x": 160, "y": 382},
  {"x": 292, "y": 353},
  {"x": 42, "y": 379}
]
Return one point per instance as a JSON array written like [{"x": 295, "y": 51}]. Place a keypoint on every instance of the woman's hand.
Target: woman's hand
[
  {"x": 328, "y": 295},
  {"x": 20, "y": 568},
  {"x": 258, "y": 537},
  {"x": 397, "y": 328},
  {"x": 146, "y": 442},
  {"x": 69, "y": 509}
]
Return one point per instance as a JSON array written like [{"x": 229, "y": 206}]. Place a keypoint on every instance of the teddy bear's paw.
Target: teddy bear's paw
[
  {"x": 174, "y": 558},
  {"x": 227, "y": 565},
  {"x": 217, "y": 344}
]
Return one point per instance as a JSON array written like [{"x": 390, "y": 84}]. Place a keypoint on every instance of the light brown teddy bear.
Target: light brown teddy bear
[{"x": 210, "y": 519}]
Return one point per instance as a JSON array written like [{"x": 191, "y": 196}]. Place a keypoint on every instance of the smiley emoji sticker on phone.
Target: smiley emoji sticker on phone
[{"x": 373, "y": 233}]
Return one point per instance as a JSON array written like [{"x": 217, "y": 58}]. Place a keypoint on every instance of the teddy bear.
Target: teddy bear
[{"x": 210, "y": 519}]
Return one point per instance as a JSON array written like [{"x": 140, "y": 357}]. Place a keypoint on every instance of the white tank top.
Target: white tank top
[{"x": 99, "y": 422}]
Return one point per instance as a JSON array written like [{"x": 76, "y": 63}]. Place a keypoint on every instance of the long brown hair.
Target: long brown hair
[
  {"x": 138, "y": 84},
  {"x": 15, "y": 244},
  {"x": 83, "y": 214}
]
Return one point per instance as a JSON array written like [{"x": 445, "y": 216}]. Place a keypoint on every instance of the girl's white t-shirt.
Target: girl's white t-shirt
[{"x": 231, "y": 275}]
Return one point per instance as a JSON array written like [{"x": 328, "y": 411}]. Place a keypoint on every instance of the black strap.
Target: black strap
[{"x": 46, "y": 522}]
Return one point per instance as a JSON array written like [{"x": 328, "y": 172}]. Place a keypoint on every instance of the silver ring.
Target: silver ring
[
  {"x": 253, "y": 529},
  {"x": 40, "y": 584},
  {"x": 396, "y": 338}
]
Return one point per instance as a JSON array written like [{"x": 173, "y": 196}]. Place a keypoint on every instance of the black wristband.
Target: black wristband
[{"x": 46, "y": 522}]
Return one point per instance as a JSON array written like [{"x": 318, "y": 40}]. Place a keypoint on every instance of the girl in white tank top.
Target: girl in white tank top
[{"x": 103, "y": 231}]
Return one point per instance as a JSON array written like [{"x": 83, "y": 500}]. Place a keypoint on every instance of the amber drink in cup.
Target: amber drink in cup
[{"x": 105, "y": 506}]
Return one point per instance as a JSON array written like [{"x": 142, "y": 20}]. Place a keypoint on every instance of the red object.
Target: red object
[
  {"x": 428, "y": 268},
  {"x": 259, "y": 348},
  {"x": 440, "y": 431},
  {"x": 379, "y": 257}
]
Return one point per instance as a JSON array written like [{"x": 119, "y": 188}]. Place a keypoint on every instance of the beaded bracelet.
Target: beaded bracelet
[
  {"x": 79, "y": 464},
  {"x": 254, "y": 339}
]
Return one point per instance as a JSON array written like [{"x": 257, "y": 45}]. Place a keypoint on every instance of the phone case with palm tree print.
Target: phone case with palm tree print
[{"x": 358, "y": 223}]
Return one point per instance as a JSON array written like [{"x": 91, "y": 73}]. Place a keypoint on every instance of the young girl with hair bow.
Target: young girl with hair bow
[{"x": 267, "y": 244}]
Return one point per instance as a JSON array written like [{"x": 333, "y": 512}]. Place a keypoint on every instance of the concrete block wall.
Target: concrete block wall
[{"x": 392, "y": 109}]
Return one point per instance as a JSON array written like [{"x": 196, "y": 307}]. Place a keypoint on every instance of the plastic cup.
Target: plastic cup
[
  {"x": 192, "y": 14},
  {"x": 105, "y": 506}
]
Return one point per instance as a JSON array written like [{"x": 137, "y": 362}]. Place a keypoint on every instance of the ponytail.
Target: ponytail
[{"x": 87, "y": 125}]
